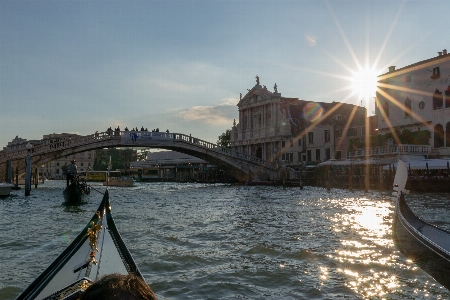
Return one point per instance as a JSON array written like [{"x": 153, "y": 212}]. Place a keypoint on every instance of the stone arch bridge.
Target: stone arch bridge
[{"x": 242, "y": 166}]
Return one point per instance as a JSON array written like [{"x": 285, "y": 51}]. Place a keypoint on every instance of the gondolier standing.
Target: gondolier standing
[{"x": 71, "y": 171}]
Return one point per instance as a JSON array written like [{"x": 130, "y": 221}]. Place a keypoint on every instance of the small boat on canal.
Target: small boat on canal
[
  {"x": 426, "y": 244},
  {"x": 98, "y": 250},
  {"x": 76, "y": 191},
  {"x": 5, "y": 188}
]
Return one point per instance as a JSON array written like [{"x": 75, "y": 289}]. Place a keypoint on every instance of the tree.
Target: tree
[
  {"x": 225, "y": 139},
  {"x": 64, "y": 169},
  {"x": 120, "y": 159},
  {"x": 142, "y": 155}
]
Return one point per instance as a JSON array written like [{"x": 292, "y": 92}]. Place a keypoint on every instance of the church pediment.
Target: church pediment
[{"x": 257, "y": 93}]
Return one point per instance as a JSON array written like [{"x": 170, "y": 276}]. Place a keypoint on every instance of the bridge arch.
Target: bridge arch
[{"x": 241, "y": 166}]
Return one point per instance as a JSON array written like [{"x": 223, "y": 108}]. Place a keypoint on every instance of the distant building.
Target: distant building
[
  {"x": 54, "y": 169},
  {"x": 167, "y": 165},
  {"x": 293, "y": 131}
]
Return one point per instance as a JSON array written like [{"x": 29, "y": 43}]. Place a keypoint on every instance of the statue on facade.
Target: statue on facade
[
  {"x": 257, "y": 79},
  {"x": 275, "y": 88},
  {"x": 234, "y": 122},
  {"x": 240, "y": 96}
]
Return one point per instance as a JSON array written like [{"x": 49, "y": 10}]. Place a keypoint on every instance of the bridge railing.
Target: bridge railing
[
  {"x": 50, "y": 145},
  {"x": 55, "y": 144},
  {"x": 220, "y": 149}
]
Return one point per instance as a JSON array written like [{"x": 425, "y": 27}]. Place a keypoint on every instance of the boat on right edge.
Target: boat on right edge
[{"x": 425, "y": 244}]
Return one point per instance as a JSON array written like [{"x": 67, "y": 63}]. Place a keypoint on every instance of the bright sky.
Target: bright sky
[{"x": 82, "y": 66}]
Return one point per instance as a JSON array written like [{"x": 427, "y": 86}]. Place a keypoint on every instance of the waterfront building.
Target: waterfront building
[
  {"x": 55, "y": 168},
  {"x": 168, "y": 166},
  {"x": 413, "y": 106},
  {"x": 292, "y": 131}
]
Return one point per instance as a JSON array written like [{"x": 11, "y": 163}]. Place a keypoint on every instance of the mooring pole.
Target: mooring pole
[
  {"x": 28, "y": 174},
  {"x": 301, "y": 179},
  {"x": 8, "y": 171}
]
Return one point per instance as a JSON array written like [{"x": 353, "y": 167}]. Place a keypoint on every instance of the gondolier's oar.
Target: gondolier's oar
[{"x": 90, "y": 186}]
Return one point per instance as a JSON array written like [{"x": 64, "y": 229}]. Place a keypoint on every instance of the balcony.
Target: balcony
[{"x": 392, "y": 150}]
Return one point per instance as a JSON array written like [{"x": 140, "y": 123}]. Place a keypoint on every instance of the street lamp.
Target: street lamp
[{"x": 28, "y": 146}]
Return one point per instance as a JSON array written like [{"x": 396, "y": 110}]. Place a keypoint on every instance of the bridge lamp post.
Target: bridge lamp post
[{"x": 28, "y": 170}]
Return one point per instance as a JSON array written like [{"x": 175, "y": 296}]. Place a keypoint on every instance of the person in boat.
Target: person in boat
[
  {"x": 117, "y": 286},
  {"x": 71, "y": 171}
]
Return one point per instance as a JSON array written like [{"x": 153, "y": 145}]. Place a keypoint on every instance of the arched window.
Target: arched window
[
  {"x": 447, "y": 135},
  {"x": 438, "y": 136},
  {"x": 437, "y": 100},
  {"x": 447, "y": 97}
]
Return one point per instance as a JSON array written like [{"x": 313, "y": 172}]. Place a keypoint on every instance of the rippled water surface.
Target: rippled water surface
[{"x": 219, "y": 241}]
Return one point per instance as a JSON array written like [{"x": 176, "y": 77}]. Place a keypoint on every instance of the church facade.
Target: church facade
[{"x": 293, "y": 131}]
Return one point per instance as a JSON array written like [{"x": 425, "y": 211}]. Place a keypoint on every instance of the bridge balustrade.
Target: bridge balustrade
[{"x": 65, "y": 143}]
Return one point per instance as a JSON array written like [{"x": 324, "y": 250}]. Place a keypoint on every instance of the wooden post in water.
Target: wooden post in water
[
  {"x": 8, "y": 171},
  {"x": 350, "y": 177},
  {"x": 28, "y": 175},
  {"x": 36, "y": 177},
  {"x": 301, "y": 180},
  {"x": 17, "y": 176},
  {"x": 366, "y": 178},
  {"x": 380, "y": 170},
  {"x": 329, "y": 179}
]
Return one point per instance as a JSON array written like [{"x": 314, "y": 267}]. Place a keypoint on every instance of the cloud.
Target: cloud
[{"x": 221, "y": 114}]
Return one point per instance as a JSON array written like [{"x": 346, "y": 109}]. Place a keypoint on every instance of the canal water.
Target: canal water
[{"x": 199, "y": 241}]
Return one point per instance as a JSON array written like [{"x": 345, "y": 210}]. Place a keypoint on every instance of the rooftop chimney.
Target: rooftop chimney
[
  {"x": 391, "y": 69},
  {"x": 444, "y": 51},
  {"x": 440, "y": 53}
]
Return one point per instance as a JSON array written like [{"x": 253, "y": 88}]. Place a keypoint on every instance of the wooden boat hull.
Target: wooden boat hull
[
  {"x": 425, "y": 244},
  {"x": 79, "y": 264},
  {"x": 5, "y": 189},
  {"x": 75, "y": 192}
]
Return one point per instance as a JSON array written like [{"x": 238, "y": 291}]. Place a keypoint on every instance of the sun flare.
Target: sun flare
[{"x": 364, "y": 83}]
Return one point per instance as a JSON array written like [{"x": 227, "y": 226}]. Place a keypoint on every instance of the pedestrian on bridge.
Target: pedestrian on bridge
[{"x": 71, "y": 171}]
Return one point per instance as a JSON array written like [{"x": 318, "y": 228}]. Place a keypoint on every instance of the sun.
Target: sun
[{"x": 364, "y": 82}]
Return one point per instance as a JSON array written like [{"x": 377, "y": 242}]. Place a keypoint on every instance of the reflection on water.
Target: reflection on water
[{"x": 217, "y": 241}]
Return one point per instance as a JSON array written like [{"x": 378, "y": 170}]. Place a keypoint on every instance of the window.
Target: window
[
  {"x": 351, "y": 131},
  {"x": 327, "y": 136},
  {"x": 436, "y": 73},
  {"x": 338, "y": 154},
  {"x": 438, "y": 136},
  {"x": 291, "y": 143},
  {"x": 338, "y": 117},
  {"x": 82, "y": 164},
  {"x": 327, "y": 154},
  {"x": 338, "y": 132},
  {"x": 89, "y": 164},
  {"x": 291, "y": 157},
  {"x": 304, "y": 157},
  {"x": 310, "y": 137},
  {"x": 407, "y": 107},
  {"x": 317, "y": 154},
  {"x": 283, "y": 144},
  {"x": 300, "y": 141},
  {"x": 299, "y": 156},
  {"x": 308, "y": 153},
  {"x": 438, "y": 100},
  {"x": 363, "y": 130},
  {"x": 57, "y": 164},
  {"x": 283, "y": 157},
  {"x": 408, "y": 79}
]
